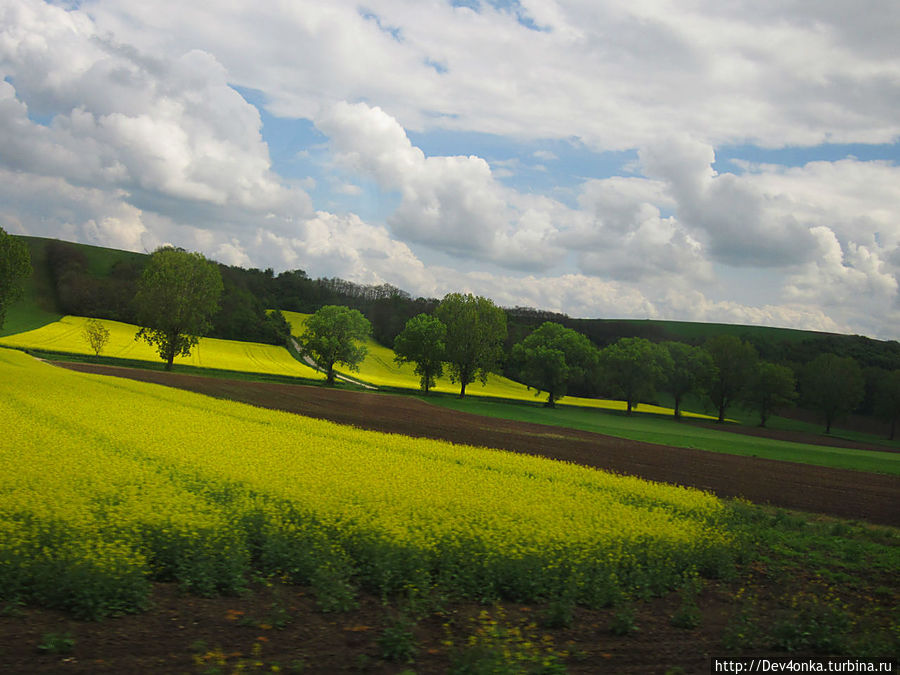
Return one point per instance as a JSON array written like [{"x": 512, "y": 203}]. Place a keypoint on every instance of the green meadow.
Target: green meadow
[{"x": 666, "y": 431}]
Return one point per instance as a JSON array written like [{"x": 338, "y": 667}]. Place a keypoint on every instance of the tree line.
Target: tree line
[
  {"x": 466, "y": 336},
  {"x": 246, "y": 296}
]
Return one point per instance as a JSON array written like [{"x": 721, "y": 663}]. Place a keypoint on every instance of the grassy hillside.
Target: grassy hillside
[{"x": 693, "y": 331}]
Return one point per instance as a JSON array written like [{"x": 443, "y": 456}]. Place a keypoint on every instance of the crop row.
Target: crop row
[{"x": 107, "y": 484}]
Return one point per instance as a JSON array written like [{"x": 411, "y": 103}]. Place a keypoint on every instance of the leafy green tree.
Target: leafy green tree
[
  {"x": 476, "y": 330},
  {"x": 734, "y": 360},
  {"x": 177, "y": 294},
  {"x": 771, "y": 386},
  {"x": 332, "y": 335},
  {"x": 96, "y": 334},
  {"x": 833, "y": 385},
  {"x": 423, "y": 341},
  {"x": 632, "y": 368},
  {"x": 887, "y": 399},
  {"x": 692, "y": 370},
  {"x": 15, "y": 266},
  {"x": 554, "y": 357}
]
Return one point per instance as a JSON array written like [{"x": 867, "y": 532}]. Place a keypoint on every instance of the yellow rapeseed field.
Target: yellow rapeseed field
[
  {"x": 67, "y": 335},
  {"x": 107, "y": 483}
]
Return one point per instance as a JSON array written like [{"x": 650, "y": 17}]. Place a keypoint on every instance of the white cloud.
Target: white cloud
[
  {"x": 606, "y": 72},
  {"x": 171, "y": 126},
  {"x": 451, "y": 203},
  {"x": 120, "y": 125}
]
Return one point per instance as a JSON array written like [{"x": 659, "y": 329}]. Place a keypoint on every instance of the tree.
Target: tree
[
  {"x": 332, "y": 335},
  {"x": 423, "y": 341},
  {"x": 177, "y": 294},
  {"x": 833, "y": 385},
  {"x": 632, "y": 368},
  {"x": 553, "y": 357},
  {"x": 692, "y": 370},
  {"x": 476, "y": 329},
  {"x": 96, "y": 334},
  {"x": 15, "y": 265},
  {"x": 771, "y": 386},
  {"x": 887, "y": 399},
  {"x": 734, "y": 360}
]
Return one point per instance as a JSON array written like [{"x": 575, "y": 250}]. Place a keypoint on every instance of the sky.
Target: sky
[{"x": 694, "y": 160}]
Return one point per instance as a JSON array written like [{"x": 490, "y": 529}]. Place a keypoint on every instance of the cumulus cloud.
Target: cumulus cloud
[
  {"x": 451, "y": 203},
  {"x": 123, "y": 119},
  {"x": 788, "y": 73},
  {"x": 739, "y": 223},
  {"x": 121, "y": 124},
  {"x": 624, "y": 235}
]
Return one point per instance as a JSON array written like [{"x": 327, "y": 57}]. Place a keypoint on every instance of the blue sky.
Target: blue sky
[{"x": 729, "y": 162}]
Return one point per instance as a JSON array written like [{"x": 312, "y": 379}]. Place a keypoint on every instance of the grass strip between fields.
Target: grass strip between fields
[{"x": 664, "y": 431}]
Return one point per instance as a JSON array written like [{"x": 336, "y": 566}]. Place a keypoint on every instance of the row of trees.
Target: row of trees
[
  {"x": 465, "y": 333},
  {"x": 178, "y": 294},
  {"x": 464, "y": 336}
]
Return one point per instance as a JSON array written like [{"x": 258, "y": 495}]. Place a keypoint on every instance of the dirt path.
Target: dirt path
[{"x": 848, "y": 494}]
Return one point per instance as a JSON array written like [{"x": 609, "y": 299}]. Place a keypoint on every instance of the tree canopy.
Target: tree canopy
[
  {"x": 332, "y": 335},
  {"x": 96, "y": 335},
  {"x": 177, "y": 294},
  {"x": 734, "y": 360},
  {"x": 476, "y": 330},
  {"x": 552, "y": 357},
  {"x": 833, "y": 385},
  {"x": 887, "y": 400},
  {"x": 15, "y": 266},
  {"x": 771, "y": 386},
  {"x": 632, "y": 368},
  {"x": 423, "y": 341},
  {"x": 691, "y": 371}
]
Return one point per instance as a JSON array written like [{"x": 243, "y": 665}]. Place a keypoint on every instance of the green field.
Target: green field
[{"x": 654, "y": 429}]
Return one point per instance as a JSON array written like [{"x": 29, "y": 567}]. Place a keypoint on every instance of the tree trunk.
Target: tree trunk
[
  {"x": 678, "y": 408},
  {"x": 329, "y": 378},
  {"x": 462, "y": 389}
]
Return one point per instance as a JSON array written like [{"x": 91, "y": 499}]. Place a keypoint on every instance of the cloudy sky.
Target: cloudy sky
[{"x": 696, "y": 160}]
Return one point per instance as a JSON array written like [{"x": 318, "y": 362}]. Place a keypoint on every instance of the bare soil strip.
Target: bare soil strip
[{"x": 837, "y": 492}]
